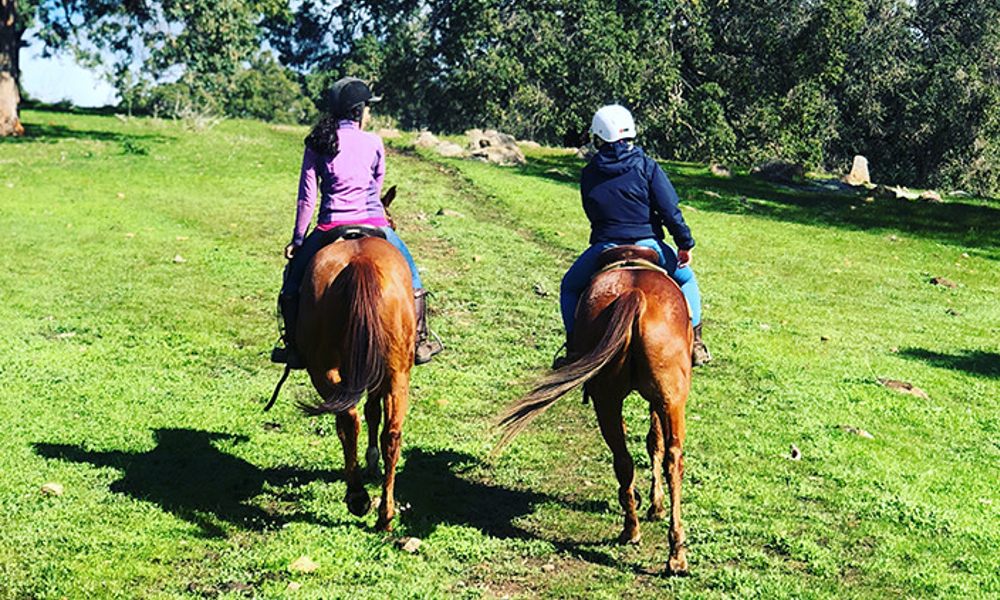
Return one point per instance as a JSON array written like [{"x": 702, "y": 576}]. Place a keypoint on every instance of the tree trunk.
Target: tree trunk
[{"x": 10, "y": 46}]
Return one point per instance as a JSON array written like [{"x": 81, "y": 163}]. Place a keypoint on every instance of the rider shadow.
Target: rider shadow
[
  {"x": 433, "y": 483},
  {"x": 186, "y": 475}
]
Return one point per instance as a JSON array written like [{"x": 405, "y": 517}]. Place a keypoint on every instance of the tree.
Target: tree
[{"x": 12, "y": 28}]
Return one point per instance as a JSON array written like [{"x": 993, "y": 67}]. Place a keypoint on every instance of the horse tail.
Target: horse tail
[
  {"x": 366, "y": 340},
  {"x": 625, "y": 311}
]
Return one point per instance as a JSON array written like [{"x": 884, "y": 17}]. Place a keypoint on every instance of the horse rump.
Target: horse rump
[{"x": 363, "y": 363}]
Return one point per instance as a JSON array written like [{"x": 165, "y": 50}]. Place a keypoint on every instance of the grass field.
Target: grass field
[{"x": 141, "y": 261}]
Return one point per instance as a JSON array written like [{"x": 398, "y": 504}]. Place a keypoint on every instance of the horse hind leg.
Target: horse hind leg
[
  {"x": 373, "y": 418},
  {"x": 348, "y": 429},
  {"x": 395, "y": 405},
  {"x": 670, "y": 411},
  {"x": 656, "y": 449},
  {"x": 609, "y": 418}
]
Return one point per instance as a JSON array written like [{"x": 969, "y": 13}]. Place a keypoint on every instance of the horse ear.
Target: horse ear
[{"x": 389, "y": 197}]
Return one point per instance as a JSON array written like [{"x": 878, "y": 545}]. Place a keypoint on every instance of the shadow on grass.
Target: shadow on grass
[
  {"x": 186, "y": 475},
  {"x": 975, "y": 362},
  {"x": 968, "y": 224},
  {"x": 441, "y": 490},
  {"x": 50, "y": 133}
]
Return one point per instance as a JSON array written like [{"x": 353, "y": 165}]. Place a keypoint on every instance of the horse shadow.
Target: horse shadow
[
  {"x": 974, "y": 362},
  {"x": 442, "y": 489},
  {"x": 186, "y": 475}
]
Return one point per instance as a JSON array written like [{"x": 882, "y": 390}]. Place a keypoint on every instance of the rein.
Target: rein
[{"x": 277, "y": 388}]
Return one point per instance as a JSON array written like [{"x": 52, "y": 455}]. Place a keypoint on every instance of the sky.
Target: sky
[{"x": 60, "y": 78}]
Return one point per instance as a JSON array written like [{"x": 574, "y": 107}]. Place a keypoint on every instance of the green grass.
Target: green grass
[{"x": 137, "y": 382}]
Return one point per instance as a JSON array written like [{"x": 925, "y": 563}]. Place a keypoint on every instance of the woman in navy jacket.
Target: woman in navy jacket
[{"x": 629, "y": 200}]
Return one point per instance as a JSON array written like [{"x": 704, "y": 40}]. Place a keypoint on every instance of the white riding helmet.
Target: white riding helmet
[{"x": 612, "y": 123}]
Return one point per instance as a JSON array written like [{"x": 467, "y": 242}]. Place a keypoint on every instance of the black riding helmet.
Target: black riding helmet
[{"x": 346, "y": 94}]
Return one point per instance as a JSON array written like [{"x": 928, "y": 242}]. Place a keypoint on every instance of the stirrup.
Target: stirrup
[{"x": 284, "y": 356}]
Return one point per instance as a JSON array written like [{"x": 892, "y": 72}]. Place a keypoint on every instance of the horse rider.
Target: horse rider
[
  {"x": 629, "y": 199},
  {"x": 345, "y": 166}
]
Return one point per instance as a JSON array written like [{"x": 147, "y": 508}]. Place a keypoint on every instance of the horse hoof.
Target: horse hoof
[
  {"x": 677, "y": 567},
  {"x": 654, "y": 514},
  {"x": 383, "y": 525},
  {"x": 629, "y": 538},
  {"x": 359, "y": 503}
]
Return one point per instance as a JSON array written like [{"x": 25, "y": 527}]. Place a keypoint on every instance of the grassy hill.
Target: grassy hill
[{"x": 141, "y": 261}]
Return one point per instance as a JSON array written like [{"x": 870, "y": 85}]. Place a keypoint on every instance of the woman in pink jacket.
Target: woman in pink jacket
[{"x": 344, "y": 166}]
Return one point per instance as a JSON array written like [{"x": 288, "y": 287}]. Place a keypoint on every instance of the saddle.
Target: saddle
[
  {"x": 629, "y": 257},
  {"x": 633, "y": 257},
  {"x": 350, "y": 232}
]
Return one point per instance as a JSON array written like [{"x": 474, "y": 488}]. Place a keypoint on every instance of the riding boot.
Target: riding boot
[
  {"x": 427, "y": 347},
  {"x": 288, "y": 355},
  {"x": 699, "y": 353},
  {"x": 561, "y": 361}
]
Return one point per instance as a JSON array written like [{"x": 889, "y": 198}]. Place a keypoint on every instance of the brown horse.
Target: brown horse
[
  {"x": 633, "y": 328},
  {"x": 356, "y": 333}
]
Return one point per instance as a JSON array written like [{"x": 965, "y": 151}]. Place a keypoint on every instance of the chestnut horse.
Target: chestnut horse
[
  {"x": 634, "y": 332},
  {"x": 356, "y": 334}
]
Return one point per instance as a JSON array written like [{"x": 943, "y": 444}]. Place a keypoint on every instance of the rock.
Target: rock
[
  {"x": 548, "y": 567},
  {"x": 951, "y": 312},
  {"x": 504, "y": 157},
  {"x": 409, "y": 544},
  {"x": 178, "y": 259},
  {"x": 795, "y": 453},
  {"x": 904, "y": 387},
  {"x": 540, "y": 290},
  {"x": 778, "y": 171},
  {"x": 960, "y": 194},
  {"x": 450, "y": 150},
  {"x": 388, "y": 133},
  {"x": 712, "y": 194},
  {"x": 293, "y": 586},
  {"x": 303, "y": 564},
  {"x": 52, "y": 489},
  {"x": 447, "y": 212},
  {"x": 529, "y": 144},
  {"x": 860, "y": 432},
  {"x": 720, "y": 170},
  {"x": 930, "y": 196},
  {"x": 426, "y": 139},
  {"x": 824, "y": 338},
  {"x": 944, "y": 282},
  {"x": 886, "y": 192},
  {"x": 859, "y": 172},
  {"x": 495, "y": 147}
]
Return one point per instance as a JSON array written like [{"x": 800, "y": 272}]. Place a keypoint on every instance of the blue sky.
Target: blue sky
[{"x": 60, "y": 78}]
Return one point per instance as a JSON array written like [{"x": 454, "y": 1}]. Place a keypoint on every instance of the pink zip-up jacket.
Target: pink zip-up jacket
[{"x": 350, "y": 183}]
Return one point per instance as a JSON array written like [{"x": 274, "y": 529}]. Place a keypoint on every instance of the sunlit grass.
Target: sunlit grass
[{"x": 135, "y": 379}]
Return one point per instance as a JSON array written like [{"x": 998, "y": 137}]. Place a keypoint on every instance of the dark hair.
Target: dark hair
[{"x": 323, "y": 137}]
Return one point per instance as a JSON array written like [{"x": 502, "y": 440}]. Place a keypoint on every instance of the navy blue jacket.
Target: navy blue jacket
[{"x": 627, "y": 197}]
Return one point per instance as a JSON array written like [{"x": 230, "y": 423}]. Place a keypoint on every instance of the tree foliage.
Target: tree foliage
[{"x": 912, "y": 84}]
